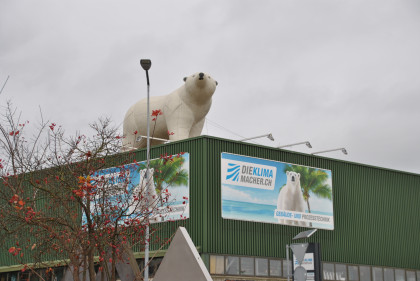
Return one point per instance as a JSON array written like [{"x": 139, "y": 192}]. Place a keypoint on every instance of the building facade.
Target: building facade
[{"x": 376, "y": 219}]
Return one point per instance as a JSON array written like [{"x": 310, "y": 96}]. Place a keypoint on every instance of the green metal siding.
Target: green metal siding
[{"x": 376, "y": 218}]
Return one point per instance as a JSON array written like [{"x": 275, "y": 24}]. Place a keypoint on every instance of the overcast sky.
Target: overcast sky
[{"x": 335, "y": 73}]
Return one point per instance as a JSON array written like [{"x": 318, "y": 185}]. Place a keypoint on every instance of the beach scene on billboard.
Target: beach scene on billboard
[
  {"x": 168, "y": 191},
  {"x": 262, "y": 190}
]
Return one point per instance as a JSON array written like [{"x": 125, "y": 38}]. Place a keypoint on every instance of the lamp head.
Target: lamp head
[
  {"x": 344, "y": 151},
  {"x": 308, "y": 144},
  {"x": 146, "y": 64},
  {"x": 270, "y": 137}
]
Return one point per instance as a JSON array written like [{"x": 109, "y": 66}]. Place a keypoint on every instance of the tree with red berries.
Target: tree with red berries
[{"x": 73, "y": 199}]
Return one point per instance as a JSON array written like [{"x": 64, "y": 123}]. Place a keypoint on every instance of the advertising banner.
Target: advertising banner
[
  {"x": 261, "y": 190},
  {"x": 168, "y": 194}
]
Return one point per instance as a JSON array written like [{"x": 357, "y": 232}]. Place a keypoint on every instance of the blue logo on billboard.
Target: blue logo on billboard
[{"x": 233, "y": 172}]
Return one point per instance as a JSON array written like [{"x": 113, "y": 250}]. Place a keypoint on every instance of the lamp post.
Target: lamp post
[
  {"x": 146, "y": 64},
  {"x": 308, "y": 144},
  {"x": 269, "y": 136},
  {"x": 335, "y": 149}
]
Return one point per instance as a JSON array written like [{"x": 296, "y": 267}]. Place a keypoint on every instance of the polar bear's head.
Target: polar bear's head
[
  {"x": 200, "y": 84},
  {"x": 293, "y": 178}
]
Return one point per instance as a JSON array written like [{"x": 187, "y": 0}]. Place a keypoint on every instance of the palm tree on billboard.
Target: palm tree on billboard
[
  {"x": 313, "y": 182},
  {"x": 167, "y": 172}
]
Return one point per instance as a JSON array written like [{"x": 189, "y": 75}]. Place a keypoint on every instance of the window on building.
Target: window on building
[
  {"x": 232, "y": 265},
  {"x": 275, "y": 268},
  {"x": 341, "y": 272},
  {"x": 217, "y": 264},
  {"x": 328, "y": 271},
  {"x": 247, "y": 266},
  {"x": 261, "y": 267},
  {"x": 153, "y": 265},
  {"x": 389, "y": 274},
  {"x": 12, "y": 276},
  {"x": 283, "y": 270},
  {"x": 399, "y": 275},
  {"x": 364, "y": 273},
  {"x": 58, "y": 273},
  {"x": 411, "y": 275},
  {"x": 353, "y": 272},
  {"x": 377, "y": 274}
]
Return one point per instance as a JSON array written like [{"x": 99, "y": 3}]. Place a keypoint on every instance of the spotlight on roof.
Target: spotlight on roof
[
  {"x": 269, "y": 136},
  {"x": 335, "y": 149},
  {"x": 307, "y": 143}
]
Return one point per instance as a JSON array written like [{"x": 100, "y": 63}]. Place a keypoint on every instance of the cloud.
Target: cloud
[{"x": 336, "y": 74}]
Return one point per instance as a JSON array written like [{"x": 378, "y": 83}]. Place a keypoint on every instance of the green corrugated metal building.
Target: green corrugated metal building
[{"x": 376, "y": 219}]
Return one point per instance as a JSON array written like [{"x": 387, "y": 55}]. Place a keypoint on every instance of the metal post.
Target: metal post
[
  {"x": 270, "y": 136},
  {"x": 146, "y": 64},
  {"x": 146, "y": 246},
  {"x": 335, "y": 149},
  {"x": 287, "y": 258},
  {"x": 308, "y": 144}
]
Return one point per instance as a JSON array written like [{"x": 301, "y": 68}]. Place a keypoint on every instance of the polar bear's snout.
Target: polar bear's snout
[
  {"x": 201, "y": 76},
  {"x": 293, "y": 178}
]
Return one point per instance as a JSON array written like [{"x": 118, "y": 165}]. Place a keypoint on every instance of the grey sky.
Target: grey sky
[{"x": 336, "y": 73}]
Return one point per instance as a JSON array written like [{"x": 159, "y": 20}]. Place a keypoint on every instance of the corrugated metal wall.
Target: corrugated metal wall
[{"x": 376, "y": 213}]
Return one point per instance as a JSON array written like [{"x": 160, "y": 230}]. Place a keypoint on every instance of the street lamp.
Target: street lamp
[
  {"x": 269, "y": 136},
  {"x": 308, "y": 144},
  {"x": 146, "y": 64},
  {"x": 335, "y": 149}
]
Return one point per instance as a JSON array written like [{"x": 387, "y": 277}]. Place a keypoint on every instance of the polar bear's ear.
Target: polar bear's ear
[
  {"x": 185, "y": 79},
  {"x": 287, "y": 172},
  {"x": 298, "y": 175}
]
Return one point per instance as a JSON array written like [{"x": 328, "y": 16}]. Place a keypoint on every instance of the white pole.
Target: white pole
[
  {"x": 146, "y": 247},
  {"x": 287, "y": 258},
  {"x": 146, "y": 64},
  {"x": 335, "y": 149},
  {"x": 270, "y": 136}
]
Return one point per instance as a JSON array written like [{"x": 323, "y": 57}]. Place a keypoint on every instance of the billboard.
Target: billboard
[
  {"x": 262, "y": 190},
  {"x": 168, "y": 191}
]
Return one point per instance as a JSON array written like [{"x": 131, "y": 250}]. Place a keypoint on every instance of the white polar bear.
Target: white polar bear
[
  {"x": 183, "y": 113},
  {"x": 291, "y": 198}
]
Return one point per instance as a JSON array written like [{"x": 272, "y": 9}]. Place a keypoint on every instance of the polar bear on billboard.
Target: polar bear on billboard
[
  {"x": 183, "y": 113},
  {"x": 291, "y": 198}
]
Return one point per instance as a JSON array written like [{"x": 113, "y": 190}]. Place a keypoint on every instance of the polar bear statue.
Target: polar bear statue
[
  {"x": 291, "y": 198},
  {"x": 183, "y": 113}
]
